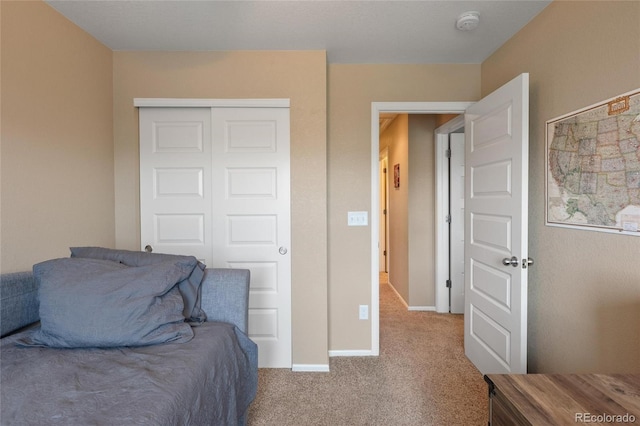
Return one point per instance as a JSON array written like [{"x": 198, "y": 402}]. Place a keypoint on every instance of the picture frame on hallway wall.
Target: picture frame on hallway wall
[{"x": 396, "y": 176}]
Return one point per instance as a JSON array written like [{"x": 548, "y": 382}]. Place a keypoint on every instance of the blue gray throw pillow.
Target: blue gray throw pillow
[
  {"x": 190, "y": 287},
  {"x": 100, "y": 303}
]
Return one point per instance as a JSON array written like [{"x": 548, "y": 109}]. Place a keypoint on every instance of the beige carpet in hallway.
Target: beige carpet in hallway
[{"x": 420, "y": 378}]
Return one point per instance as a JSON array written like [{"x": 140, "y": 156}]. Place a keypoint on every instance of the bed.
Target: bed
[{"x": 173, "y": 350}]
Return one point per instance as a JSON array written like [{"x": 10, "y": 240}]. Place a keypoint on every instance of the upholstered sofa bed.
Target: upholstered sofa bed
[{"x": 111, "y": 337}]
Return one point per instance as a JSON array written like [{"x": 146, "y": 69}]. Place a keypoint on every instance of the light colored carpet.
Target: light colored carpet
[{"x": 421, "y": 377}]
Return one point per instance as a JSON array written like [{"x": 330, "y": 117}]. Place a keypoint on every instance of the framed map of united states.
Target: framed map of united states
[{"x": 593, "y": 167}]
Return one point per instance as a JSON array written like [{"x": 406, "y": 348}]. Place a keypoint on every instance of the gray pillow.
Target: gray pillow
[
  {"x": 190, "y": 287},
  {"x": 99, "y": 303}
]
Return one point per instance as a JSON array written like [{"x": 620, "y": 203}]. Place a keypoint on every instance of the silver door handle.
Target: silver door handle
[
  {"x": 527, "y": 262},
  {"x": 513, "y": 261},
  {"x": 282, "y": 250},
  {"x": 148, "y": 248}
]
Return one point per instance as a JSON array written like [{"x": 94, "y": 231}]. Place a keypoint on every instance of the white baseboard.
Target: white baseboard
[
  {"x": 319, "y": 368},
  {"x": 422, "y": 308},
  {"x": 404, "y": 302},
  {"x": 406, "y": 305},
  {"x": 354, "y": 352}
]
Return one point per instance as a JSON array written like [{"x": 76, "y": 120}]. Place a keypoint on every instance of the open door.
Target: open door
[{"x": 496, "y": 229}]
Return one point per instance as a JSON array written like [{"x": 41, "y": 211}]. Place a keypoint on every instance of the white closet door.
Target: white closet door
[
  {"x": 214, "y": 183},
  {"x": 175, "y": 181},
  {"x": 252, "y": 218}
]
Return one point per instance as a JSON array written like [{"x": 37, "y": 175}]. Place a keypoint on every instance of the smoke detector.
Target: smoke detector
[{"x": 468, "y": 21}]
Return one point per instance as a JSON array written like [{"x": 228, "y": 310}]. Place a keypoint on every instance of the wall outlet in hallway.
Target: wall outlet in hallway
[{"x": 364, "y": 312}]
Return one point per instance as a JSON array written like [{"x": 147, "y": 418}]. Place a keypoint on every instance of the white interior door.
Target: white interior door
[
  {"x": 214, "y": 183},
  {"x": 496, "y": 226},
  {"x": 456, "y": 226},
  {"x": 251, "y": 227},
  {"x": 175, "y": 177}
]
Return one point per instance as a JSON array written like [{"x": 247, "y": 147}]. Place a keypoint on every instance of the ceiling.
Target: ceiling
[{"x": 373, "y": 31}]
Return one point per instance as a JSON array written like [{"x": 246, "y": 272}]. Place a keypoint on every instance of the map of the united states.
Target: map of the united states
[{"x": 594, "y": 167}]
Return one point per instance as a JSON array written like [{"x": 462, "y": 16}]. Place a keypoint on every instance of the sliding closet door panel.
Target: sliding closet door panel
[
  {"x": 251, "y": 205},
  {"x": 175, "y": 181}
]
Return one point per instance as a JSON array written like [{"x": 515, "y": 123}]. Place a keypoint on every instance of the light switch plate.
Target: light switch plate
[
  {"x": 363, "y": 312},
  {"x": 357, "y": 218}
]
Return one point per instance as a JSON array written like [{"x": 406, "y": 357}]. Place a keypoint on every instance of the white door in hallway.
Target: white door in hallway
[
  {"x": 496, "y": 229},
  {"x": 214, "y": 183}
]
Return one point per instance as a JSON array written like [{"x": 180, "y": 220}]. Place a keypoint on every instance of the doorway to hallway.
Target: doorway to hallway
[
  {"x": 376, "y": 110},
  {"x": 496, "y": 198},
  {"x": 421, "y": 209}
]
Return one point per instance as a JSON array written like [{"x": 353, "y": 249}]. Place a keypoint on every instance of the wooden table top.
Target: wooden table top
[{"x": 570, "y": 399}]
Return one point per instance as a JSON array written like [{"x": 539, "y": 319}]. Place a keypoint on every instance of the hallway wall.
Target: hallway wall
[
  {"x": 409, "y": 140},
  {"x": 396, "y": 139},
  {"x": 421, "y": 233}
]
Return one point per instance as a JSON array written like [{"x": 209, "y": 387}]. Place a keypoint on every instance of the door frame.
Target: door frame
[
  {"x": 376, "y": 109},
  {"x": 442, "y": 209},
  {"x": 384, "y": 156},
  {"x": 212, "y": 103}
]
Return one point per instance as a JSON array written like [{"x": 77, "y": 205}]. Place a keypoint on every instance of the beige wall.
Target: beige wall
[
  {"x": 57, "y": 137},
  {"x": 441, "y": 119},
  {"x": 584, "y": 289},
  {"x": 409, "y": 140},
  {"x": 299, "y": 76},
  {"x": 422, "y": 197},
  {"x": 352, "y": 89},
  {"x": 396, "y": 139}
]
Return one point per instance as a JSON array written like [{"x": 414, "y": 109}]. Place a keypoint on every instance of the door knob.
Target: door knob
[
  {"x": 513, "y": 261},
  {"x": 148, "y": 248},
  {"x": 527, "y": 262},
  {"x": 282, "y": 250}
]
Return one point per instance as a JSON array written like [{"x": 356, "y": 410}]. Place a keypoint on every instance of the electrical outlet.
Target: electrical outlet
[{"x": 364, "y": 312}]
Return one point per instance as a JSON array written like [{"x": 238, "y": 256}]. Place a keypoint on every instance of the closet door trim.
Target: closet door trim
[{"x": 211, "y": 103}]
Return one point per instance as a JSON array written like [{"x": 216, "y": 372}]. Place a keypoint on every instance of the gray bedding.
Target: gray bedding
[{"x": 206, "y": 381}]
